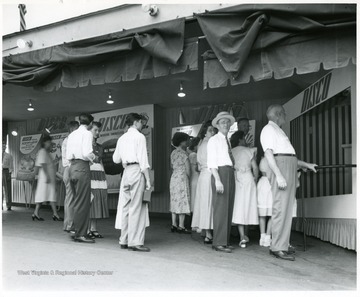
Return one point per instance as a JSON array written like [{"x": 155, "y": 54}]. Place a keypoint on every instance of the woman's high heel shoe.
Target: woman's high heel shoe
[
  {"x": 173, "y": 228},
  {"x": 183, "y": 230},
  {"x": 55, "y": 218},
  {"x": 34, "y": 216},
  {"x": 208, "y": 240}
]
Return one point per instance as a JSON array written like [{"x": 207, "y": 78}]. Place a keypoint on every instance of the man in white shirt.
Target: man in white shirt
[
  {"x": 69, "y": 197},
  {"x": 7, "y": 169},
  {"x": 132, "y": 211},
  {"x": 284, "y": 164},
  {"x": 221, "y": 163},
  {"x": 79, "y": 151}
]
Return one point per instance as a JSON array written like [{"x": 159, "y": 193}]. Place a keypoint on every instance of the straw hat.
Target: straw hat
[{"x": 223, "y": 115}]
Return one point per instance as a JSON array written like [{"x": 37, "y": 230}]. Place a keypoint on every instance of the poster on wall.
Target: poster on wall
[
  {"x": 113, "y": 126},
  {"x": 191, "y": 130},
  {"x": 29, "y": 147}
]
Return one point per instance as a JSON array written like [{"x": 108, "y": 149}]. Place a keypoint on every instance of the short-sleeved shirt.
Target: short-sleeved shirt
[
  {"x": 274, "y": 138},
  {"x": 218, "y": 151},
  {"x": 7, "y": 162}
]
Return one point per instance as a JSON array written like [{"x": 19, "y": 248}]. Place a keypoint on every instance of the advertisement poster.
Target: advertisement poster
[
  {"x": 192, "y": 130},
  {"x": 250, "y": 136},
  {"x": 29, "y": 147},
  {"x": 113, "y": 126}
]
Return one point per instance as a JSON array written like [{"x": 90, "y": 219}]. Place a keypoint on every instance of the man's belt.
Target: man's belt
[
  {"x": 132, "y": 163},
  {"x": 284, "y": 155}
]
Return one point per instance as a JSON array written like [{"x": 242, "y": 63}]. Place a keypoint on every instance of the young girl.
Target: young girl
[{"x": 264, "y": 198}]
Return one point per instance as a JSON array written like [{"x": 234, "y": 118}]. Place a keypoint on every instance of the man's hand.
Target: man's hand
[
  {"x": 96, "y": 160},
  {"x": 148, "y": 185},
  {"x": 281, "y": 182},
  {"x": 219, "y": 186},
  {"x": 311, "y": 167}
]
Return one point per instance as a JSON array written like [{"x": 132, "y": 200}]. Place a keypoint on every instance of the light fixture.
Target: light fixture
[
  {"x": 151, "y": 9},
  {"x": 181, "y": 118},
  {"x": 110, "y": 100},
  {"x": 48, "y": 129},
  {"x": 21, "y": 43},
  {"x": 30, "y": 107},
  {"x": 181, "y": 93},
  {"x": 14, "y": 132}
]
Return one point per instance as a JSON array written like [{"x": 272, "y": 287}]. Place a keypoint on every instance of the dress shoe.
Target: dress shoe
[
  {"x": 139, "y": 248},
  {"x": 124, "y": 246},
  {"x": 57, "y": 218},
  {"x": 208, "y": 240},
  {"x": 282, "y": 255},
  {"x": 242, "y": 243},
  {"x": 84, "y": 239},
  {"x": 90, "y": 235},
  {"x": 183, "y": 230},
  {"x": 291, "y": 250},
  {"x": 34, "y": 216},
  {"x": 230, "y": 247},
  {"x": 221, "y": 248},
  {"x": 173, "y": 228},
  {"x": 9, "y": 209}
]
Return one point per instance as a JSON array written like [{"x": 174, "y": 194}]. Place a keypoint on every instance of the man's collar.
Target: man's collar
[{"x": 273, "y": 123}]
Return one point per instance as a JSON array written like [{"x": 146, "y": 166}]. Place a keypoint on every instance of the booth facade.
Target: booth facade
[{"x": 309, "y": 69}]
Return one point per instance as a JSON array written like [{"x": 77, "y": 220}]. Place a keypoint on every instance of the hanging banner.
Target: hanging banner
[
  {"x": 29, "y": 147},
  {"x": 113, "y": 126}
]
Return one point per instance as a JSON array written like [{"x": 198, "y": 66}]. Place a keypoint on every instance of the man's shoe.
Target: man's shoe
[
  {"x": 124, "y": 246},
  {"x": 139, "y": 248},
  {"x": 221, "y": 248},
  {"x": 282, "y": 255},
  {"x": 83, "y": 239},
  {"x": 291, "y": 250},
  {"x": 230, "y": 247},
  {"x": 9, "y": 209}
]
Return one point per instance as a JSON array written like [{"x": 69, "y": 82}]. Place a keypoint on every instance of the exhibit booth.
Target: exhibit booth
[{"x": 239, "y": 59}]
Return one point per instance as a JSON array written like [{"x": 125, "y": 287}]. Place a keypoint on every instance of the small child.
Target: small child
[{"x": 265, "y": 200}]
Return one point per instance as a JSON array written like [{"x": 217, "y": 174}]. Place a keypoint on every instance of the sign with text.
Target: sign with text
[
  {"x": 191, "y": 130},
  {"x": 29, "y": 147},
  {"x": 113, "y": 126}
]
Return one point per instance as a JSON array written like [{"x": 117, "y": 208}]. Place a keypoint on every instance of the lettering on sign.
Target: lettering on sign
[
  {"x": 57, "y": 123},
  {"x": 316, "y": 93}
]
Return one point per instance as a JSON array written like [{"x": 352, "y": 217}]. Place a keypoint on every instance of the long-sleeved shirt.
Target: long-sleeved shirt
[
  {"x": 131, "y": 148},
  {"x": 79, "y": 145},
  {"x": 218, "y": 152}
]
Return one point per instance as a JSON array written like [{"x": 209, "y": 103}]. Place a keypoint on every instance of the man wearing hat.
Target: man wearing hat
[{"x": 221, "y": 163}]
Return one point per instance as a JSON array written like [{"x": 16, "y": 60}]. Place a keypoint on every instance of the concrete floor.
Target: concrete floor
[{"x": 176, "y": 262}]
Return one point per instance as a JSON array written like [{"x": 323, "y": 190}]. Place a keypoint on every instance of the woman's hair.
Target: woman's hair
[
  {"x": 236, "y": 137},
  {"x": 179, "y": 137},
  {"x": 204, "y": 129},
  {"x": 193, "y": 143},
  {"x": 45, "y": 139},
  {"x": 97, "y": 124},
  {"x": 131, "y": 118},
  {"x": 85, "y": 119}
]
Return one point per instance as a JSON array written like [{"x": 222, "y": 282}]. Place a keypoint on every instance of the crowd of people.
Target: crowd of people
[
  {"x": 214, "y": 178},
  {"x": 217, "y": 180}
]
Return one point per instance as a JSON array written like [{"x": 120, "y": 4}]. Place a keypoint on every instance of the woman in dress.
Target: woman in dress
[
  {"x": 99, "y": 198},
  {"x": 246, "y": 174},
  {"x": 203, "y": 211},
  {"x": 192, "y": 150},
  {"x": 179, "y": 182},
  {"x": 45, "y": 190},
  {"x": 264, "y": 200}
]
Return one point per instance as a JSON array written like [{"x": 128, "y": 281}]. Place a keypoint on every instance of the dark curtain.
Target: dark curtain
[
  {"x": 164, "y": 41},
  {"x": 235, "y": 32}
]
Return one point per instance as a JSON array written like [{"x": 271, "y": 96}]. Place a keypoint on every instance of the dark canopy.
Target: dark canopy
[
  {"x": 247, "y": 34},
  {"x": 158, "y": 50}
]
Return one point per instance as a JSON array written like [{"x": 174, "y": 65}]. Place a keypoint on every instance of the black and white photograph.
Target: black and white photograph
[{"x": 168, "y": 148}]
